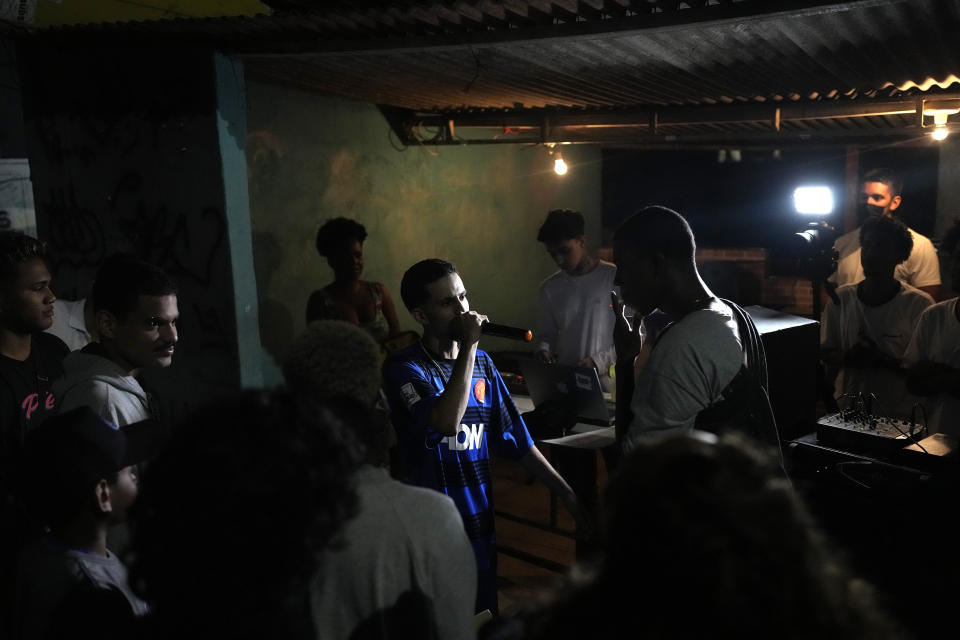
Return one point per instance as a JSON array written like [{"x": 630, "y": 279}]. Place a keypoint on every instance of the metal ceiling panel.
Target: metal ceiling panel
[
  {"x": 459, "y": 57},
  {"x": 856, "y": 49}
]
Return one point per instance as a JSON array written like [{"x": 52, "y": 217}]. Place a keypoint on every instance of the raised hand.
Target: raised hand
[{"x": 469, "y": 329}]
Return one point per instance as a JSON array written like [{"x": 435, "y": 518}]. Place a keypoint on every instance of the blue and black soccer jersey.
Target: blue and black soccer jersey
[{"x": 459, "y": 465}]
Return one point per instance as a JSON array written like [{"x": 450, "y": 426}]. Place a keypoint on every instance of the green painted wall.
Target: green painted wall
[{"x": 311, "y": 158}]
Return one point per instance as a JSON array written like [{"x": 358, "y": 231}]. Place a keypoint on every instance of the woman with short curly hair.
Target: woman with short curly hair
[{"x": 365, "y": 304}]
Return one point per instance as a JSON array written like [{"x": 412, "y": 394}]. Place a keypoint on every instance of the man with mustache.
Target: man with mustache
[
  {"x": 136, "y": 312},
  {"x": 880, "y": 196}
]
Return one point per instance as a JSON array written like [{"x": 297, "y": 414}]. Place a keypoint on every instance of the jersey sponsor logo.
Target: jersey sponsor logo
[
  {"x": 410, "y": 395},
  {"x": 472, "y": 438},
  {"x": 480, "y": 390}
]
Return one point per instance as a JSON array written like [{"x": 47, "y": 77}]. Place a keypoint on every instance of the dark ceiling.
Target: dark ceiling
[{"x": 648, "y": 72}]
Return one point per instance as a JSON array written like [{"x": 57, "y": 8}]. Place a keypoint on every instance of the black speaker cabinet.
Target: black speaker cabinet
[{"x": 792, "y": 345}]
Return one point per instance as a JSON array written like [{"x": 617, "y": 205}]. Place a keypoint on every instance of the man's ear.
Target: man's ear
[
  {"x": 107, "y": 324},
  {"x": 419, "y": 316},
  {"x": 102, "y": 493},
  {"x": 894, "y": 203}
]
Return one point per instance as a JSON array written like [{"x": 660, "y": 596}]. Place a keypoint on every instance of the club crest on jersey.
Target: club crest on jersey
[{"x": 480, "y": 390}]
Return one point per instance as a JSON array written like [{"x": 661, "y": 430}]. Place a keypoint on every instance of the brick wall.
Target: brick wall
[{"x": 741, "y": 273}]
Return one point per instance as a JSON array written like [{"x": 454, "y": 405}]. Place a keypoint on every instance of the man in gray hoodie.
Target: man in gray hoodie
[{"x": 135, "y": 305}]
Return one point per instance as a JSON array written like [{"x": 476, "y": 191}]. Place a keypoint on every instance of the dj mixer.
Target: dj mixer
[{"x": 857, "y": 431}]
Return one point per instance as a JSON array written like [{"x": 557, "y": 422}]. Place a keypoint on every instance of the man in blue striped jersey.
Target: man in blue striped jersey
[{"x": 450, "y": 407}]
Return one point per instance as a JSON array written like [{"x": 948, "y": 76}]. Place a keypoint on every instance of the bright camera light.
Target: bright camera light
[
  {"x": 559, "y": 166},
  {"x": 940, "y": 133},
  {"x": 816, "y": 201}
]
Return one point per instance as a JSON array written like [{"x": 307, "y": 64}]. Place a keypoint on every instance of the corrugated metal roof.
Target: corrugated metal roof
[
  {"x": 458, "y": 58},
  {"x": 859, "y": 49}
]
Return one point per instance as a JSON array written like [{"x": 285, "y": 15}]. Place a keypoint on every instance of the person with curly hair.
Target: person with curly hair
[
  {"x": 406, "y": 569},
  {"x": 232, "y": 514},
  {"x": 360, "y": 302},
  {"x": 933, "y": 355},
  {"x": 863, "y": 339},
  {"x": 703, "y": 537}
]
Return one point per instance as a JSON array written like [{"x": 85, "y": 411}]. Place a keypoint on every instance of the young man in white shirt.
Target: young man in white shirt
[
  {"x": 933, "y": 355},
  {"x": 695, "y": 360},
  {"x": 880, "y": 196},
  {"x": 863, "y": 339},
  {"x": 575, "y": 323}
]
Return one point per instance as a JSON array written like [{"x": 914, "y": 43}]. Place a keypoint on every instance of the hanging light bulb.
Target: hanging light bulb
[
  {"x": 940, "y": 116},
  {"x": 559, "y": 166}
]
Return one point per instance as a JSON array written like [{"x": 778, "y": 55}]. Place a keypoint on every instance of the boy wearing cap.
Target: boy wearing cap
[
  {"x": 79, "y": 479},
  {"x": 136, "y": 310}
]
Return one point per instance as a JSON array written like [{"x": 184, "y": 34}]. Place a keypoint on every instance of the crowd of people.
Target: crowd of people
[
  {"x": 887, "y": 343},
  {"x": 357, "y": 501}
]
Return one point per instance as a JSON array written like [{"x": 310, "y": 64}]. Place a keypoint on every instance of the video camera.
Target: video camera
[{"x": 807, "y": 253}]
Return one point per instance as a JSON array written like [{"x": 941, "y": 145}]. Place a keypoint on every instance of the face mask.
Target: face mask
[{"x": 865, "y": 210}]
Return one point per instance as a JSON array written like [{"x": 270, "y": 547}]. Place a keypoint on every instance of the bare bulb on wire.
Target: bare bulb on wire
[
  {"x": 559, "y": 166},
  {"x": 940, "y": 133}
]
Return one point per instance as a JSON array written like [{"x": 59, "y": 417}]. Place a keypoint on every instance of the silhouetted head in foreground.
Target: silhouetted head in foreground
[
  {"x": 231, "y": 516},
  {"x": 706, "y": 538}
]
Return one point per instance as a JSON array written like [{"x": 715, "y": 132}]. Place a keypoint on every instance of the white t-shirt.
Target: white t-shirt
[
  {"x": 404, "y": 541},
  {"x": 48, "y": 575},
  {"x": 690, "y": 366},
  {"x": 69, "y": 324},
  {"x": 889, "y": 326},
  {"x": 922, "y": 268},
  {"x": 575, "y": 319},
  {"x": 937, "y": 339}
]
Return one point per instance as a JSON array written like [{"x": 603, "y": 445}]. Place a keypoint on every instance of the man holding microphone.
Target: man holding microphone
[{"x": 450, "y": 406}]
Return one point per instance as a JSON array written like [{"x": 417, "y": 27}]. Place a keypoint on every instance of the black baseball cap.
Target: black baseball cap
[{"x": 88, "y": 447}]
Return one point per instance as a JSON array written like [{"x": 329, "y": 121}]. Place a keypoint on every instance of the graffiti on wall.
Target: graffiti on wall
[{"x": 104, "y": 189}]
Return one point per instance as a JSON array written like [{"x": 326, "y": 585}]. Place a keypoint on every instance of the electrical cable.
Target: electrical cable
[
  {"x": 893, "y": 423},
  {"x": 840, "y": 469}
]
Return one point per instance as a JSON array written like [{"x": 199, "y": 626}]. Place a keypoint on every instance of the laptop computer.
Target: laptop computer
[{"x": 547, "y": 382}]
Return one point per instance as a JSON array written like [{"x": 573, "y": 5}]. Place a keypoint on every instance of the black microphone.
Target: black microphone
[{"x": 503, "y": 331}]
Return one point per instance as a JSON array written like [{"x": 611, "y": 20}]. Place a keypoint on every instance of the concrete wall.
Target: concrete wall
[
  {"x": 948, "y": 192},
  {"x": 311, "y": 158},
  {"x": 130, "y": 161},
  {"x": 12, "y": 142},
  {"x": 948, "y": 204}
]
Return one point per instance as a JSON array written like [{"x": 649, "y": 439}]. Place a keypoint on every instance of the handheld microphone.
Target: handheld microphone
[{"x": 504, "y": 331}]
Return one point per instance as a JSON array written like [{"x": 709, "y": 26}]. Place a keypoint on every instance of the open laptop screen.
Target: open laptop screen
[{"x": 547, "y": 382}]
